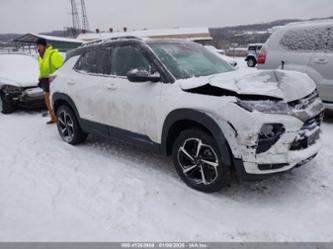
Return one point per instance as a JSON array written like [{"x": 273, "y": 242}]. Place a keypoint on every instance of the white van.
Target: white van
[{"x": 305, "y": 47}]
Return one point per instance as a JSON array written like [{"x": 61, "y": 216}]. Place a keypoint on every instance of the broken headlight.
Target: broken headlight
[
  {"x": 8, "y": 89},
  {"x": 269, "y": 134},
  {"x": 265, "y": 106}
]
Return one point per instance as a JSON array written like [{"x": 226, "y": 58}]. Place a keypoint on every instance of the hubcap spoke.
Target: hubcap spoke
[
  {"x": 187, "y": 170},
  {"x": 198, "y": 147},
  {"x": 203, "y": 177},
  {"x": 182, "y": 149},
  {"x": 70, "y": 124},
  {"x": 64, "y": 114},
  {"x": 213, "y": 164},
  {"x": 63, "y": 130},
  {"x": 70, "y": 133},
  {"x": 60, "y": 119}
]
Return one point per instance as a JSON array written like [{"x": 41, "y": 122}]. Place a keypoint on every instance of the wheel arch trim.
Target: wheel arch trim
[
  {"x": 64, "y": 97},
  {"x": 204, "y": 120}
]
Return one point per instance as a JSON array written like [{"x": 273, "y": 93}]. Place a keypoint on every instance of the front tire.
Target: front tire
[
  {"x": 198, "y": 161},
  {"x": 68, "y": 126},
  {"x": 6, "y": 106}
]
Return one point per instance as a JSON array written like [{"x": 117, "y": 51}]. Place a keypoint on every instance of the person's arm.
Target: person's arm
[{"x": 57, "y": 60}]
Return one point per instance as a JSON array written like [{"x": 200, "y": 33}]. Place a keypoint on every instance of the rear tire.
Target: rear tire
[
  {"x": 6, "y": 106},
  {"x": 68, "y": 126},
  {"x": 199, "y": 162},
  {"x": 251, "y": 62}
]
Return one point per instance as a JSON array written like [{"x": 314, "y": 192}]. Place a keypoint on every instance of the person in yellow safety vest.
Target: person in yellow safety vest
[{"x": 49, "y": 61}]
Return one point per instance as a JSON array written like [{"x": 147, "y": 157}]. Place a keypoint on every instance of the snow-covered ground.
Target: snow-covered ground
[{"x": 107, "y": 191}]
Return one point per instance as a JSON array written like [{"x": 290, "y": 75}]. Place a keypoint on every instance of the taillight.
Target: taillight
[{"x": 261, "y": 59}]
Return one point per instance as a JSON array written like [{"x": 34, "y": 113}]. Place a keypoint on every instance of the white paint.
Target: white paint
[{"x": 143, "y": 107}]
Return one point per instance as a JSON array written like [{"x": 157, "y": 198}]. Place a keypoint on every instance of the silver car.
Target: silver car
[{"x": 305, "y": 47}]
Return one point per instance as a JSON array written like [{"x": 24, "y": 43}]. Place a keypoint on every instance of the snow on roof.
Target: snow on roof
[
  {"x": 255, "y": 44},
  {"x": 57, "y": 38},
  {"x": 146, "y": 33},
  {"x": 311, "y": 23},
  {"x": 201, "y": 38},
  {"x": 31, "y": 37}
]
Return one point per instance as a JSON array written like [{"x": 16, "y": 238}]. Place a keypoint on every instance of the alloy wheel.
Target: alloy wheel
[
  {"x": 198, "y": 161},
  {"x": 66, "y": 126}
]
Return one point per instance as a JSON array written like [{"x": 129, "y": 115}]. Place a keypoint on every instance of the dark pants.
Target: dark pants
[{"x": 44, "y": 83}]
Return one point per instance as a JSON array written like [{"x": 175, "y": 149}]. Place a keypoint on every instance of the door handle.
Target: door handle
[
  {"x": 321, "y": 61},
  {"x": 71, "y": 82},
  {"x": 111, "y": 86}
]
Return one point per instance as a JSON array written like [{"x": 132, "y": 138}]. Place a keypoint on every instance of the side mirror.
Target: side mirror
[{"x": 142, "y": 75}]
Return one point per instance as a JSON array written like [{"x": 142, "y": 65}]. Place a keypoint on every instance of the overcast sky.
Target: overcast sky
[{"x": 21, "y": 16}]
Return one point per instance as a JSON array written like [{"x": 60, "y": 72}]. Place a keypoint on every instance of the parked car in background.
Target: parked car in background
[
  {"x": 305, "y": 47},
  {"x": 178, "y": 98},
  {"x": 221, "y": 53},
  {"x": 252, "y": 53},
  {"x": 18, "y": 83}
]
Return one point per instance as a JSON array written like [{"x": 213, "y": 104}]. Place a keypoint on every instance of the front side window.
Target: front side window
[
  {"x": 186, "y": 60},
  {"x": 126, "y": 58},
  {"x": 311, "y": 39}
]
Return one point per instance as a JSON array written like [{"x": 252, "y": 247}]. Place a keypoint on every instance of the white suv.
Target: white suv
[
  {"x": 305, "y": 47},
  {"x": 179, "y": 99}
]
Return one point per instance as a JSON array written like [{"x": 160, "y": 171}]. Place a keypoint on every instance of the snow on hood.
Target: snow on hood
[
  {"x": 286, "y": 85},
  {"x": 18, "y": 70}
]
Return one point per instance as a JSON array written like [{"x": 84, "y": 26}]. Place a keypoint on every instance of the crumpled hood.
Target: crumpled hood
[
  {"x": 285, "y": 85},
  {"x": 18, "y": 70}
]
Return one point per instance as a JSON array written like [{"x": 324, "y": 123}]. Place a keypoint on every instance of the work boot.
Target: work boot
[
  {"x": 50, "y": 122},
  {"x": 53, "y": 119}
]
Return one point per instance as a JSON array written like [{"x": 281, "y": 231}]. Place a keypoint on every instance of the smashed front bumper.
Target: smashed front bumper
[
  {"x": 28, "y": 98},
  {"x": 278, "y": 142}
]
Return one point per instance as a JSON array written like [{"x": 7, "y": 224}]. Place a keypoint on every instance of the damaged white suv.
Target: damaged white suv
[{"x": 179, "y": 99}]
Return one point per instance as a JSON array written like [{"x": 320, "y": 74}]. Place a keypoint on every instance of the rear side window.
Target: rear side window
[
  {"x": 126, "y": 58},
  {"x": 95, "y": 61},
  {"x": 307, "y": 39}
]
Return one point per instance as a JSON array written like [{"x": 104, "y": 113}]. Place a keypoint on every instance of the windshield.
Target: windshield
[{"x": 186, "y": 60}]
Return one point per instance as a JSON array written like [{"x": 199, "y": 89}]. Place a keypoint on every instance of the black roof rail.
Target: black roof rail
[{"x": 111, "y": 39}]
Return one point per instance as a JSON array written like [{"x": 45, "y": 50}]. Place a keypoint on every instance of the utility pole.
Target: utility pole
[
  {"x": 85, "y": 22},
  {"x": 76, "y": 27}
]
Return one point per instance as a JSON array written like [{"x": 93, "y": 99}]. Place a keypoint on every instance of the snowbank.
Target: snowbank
[{"x": 105, "y": 191}]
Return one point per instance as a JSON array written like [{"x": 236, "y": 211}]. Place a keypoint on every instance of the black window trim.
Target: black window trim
[{"x": 166, "y": 76}]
